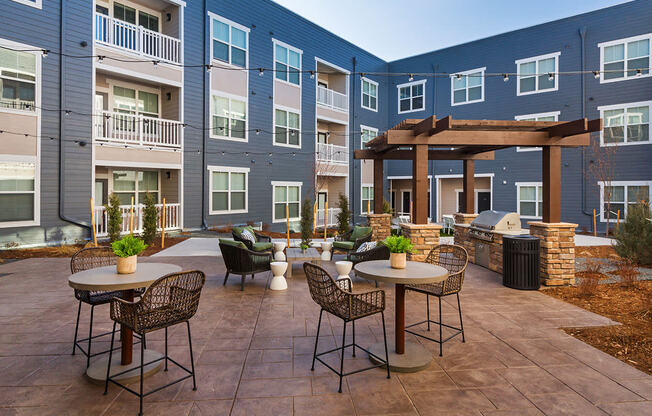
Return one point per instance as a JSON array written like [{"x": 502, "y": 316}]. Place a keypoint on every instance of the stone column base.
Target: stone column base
[
  {"x": 557, "y": 256},
  {"x": 380, "y": 226},
  {"x": 461, "y": 218},
  {"x": 423, "y": 237}
]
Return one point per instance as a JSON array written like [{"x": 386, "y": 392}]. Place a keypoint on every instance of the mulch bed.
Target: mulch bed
[
  {"x": 602, "y": 252},
  {"x": 631, "y": 305},
  {"x": 69, "y": 250}
]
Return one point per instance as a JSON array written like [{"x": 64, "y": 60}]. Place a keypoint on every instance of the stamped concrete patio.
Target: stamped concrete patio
[{"x": 253, "y": 351}]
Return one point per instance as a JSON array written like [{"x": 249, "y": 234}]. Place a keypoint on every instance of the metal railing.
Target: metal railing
[
  {"x": 123, "y": 128},
  {"x": 330, "y": 220},
  {"x": 332, "y": 153},
  {"x": 332, "y": 99},
  {"x": 172, "y": 217},
  {"x": 136, "y": 39}
]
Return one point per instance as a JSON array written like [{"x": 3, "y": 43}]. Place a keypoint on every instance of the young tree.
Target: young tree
[
  {"x": 150, "y": 219},
  {"x": 306, "y": 222},
  {"x": 114, "y": 217},
  {"x": 344, "y": 216},
  {"x": 602, "y": 167}
]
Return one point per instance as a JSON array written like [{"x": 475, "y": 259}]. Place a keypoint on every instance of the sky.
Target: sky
[{"x": 395, "y": 29}]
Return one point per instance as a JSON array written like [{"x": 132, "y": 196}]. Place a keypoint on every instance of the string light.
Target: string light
[
  {"x": 505, "y": 77},
  {"x": 458, "y": 76},
  {"x": 45, "y": 52},
  {"x": 639, "y": 72},
  {"x": 596, "y": 74},
  {"x": 261, "y": 72},
  {"x": 551, "y": 76},
  {"x": 410, "y": 77},
  {"x": 100, "y": 58},
  {"x": 208, "y": 67},
  {"x": 312, "y": 74}
]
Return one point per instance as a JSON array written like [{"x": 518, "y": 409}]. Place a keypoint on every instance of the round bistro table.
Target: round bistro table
[
  {"x": 404, "y": 356},
  {"x": 106, "y": 279}
]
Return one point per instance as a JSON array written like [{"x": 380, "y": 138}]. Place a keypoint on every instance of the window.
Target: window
[
  {"x": 33, "y": 3},
  {"x": 530, "y": 199},
  {"x": 369, "y": 94},
  {"x": 148, "y": 21},
  {"x": 287, "y": 62},
  {"x": 287, "y": 194},
  {"x": 17, "y": 80},
  {"x": 626, "y": 124},
  {"x": 17, "y": 193},
  {"x": 621, "y": 196},
  {"x": 124, "y": 13},
  {"x": 136, "y": 184},
  {"x": 366, "y": 134},
  {"x": 467, "y": 87},
  {"x": 287, "y": 126},
  {"x": 229, "y": 42},
  {"x": 229, "y": 187},
  {"x": 552, "y": 116},
  {"x": 132, "y": 101},
  {"x": 625, "y": 58},
  {"x": 229, "y": 118},
  {"x": 367, "y": 199},
  {"x": 537, "y": 74},
  {"x": 411, "y": 96}
]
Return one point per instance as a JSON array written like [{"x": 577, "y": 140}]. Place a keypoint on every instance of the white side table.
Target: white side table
[
  {"x": 326, "y": 251},
  {"x": 343, "y": 269},
  {"x": 278, "y": 251},
  {"x": 278, "y": 270}
]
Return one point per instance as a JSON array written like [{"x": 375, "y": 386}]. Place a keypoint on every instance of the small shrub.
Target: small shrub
[
  {"x": 114, "y": 218},
  {"x": 150, "y": 219},
  {"x": 589, "y": 277},
  {"x": 65, "y": 251},
  {"x": 634, "y": 236},
  {"x": 344, "y": 216},
  {"x": 306, "y": 222},
  {"x": 128, "y": 246},
  {"x": 627, "y": 270},
  {"x": 398, "y": 244},
  {"x": 387, "y": 208}
]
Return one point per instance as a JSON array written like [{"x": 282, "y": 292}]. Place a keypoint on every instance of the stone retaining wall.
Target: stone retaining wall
[
  {"x": 423, "y": 237},
  {"x": 557, "y": 266},
  {"x": 380, "y": 226}
]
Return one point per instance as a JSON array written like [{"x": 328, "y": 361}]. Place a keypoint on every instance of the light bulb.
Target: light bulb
[
  {"x": 596, "y": 74},
  {"x": 458, "y": 76},
  {"x": 261, "y": 72},
  {"x": 551, "y": 76},
  {"x": 410, "y": 77},
  {"x": 505, "y": 77},
  {"x": 312, "y": 74}
]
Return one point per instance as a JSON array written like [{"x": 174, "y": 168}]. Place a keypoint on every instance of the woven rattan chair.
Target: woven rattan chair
[
  {"x": 454, "y": 259},
  {"x": 348, "y": 306},
  {"x": 349, "y": 242},
  {"x": 240, "y": 260},
  {"x": 172, "y": 299}
]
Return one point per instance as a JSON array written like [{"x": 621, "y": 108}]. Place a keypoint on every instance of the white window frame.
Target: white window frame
[
  {"x": 37, "y": 4},
  {"x": 536, "y": 59},
  {"x": 371, "y": 82},
  {"x": 285, "y": 184},
  {"x": 625, "y": 106},
  {"x": 230, "y": 97},
  {"x": 372, "y": 130},
  {"x": 227, "y": 169},
  {"x": 37, "y": 83},
  {"x": 231, "y": 23},
  {"x": 624, "y": 41},
  {"x": 625, "y": 184},
  {"x": 363, "y": 205},
  {"x": 466, "y": 88},
  {"x": 519, "y": 185},
  {"x": 136, "y": 191},
  {"x": 410, "y": 84},
  {"x": 554, "y": 114},
  {"x": 289, "y": 48},
  {"x": 287, "y": 110},
  {"x": 37, "y": 189}
]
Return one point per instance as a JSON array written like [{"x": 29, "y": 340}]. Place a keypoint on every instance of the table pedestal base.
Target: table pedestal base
[
  {"x": 416, "y": 357},
  {"x": 97, "y": 370}
]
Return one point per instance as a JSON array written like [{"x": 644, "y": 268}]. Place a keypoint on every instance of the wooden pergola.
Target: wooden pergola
[{"x": 470, "y": 140}]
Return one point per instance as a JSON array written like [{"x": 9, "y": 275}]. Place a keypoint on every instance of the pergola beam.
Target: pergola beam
[
  {"x": 457, "y": 154},
  {"x": 485, "y": 138}
]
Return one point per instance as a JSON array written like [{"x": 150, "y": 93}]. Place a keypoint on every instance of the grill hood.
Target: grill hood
[{"x": 497, "y": 221}]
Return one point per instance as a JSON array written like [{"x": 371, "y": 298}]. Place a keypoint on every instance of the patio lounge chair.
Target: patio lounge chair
[
  {"x": 240, "y": 260},
  {"x": 380, "y": 252},
  {"x": 454, "y": 259},
  {"x": 351, "y": 241},
  {"x": 261, "y": 242}
]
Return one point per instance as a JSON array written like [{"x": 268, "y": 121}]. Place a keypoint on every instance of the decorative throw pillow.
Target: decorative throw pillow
[
  {"x": 247, "y": 235},
  {"x": 366, "y": 246}
]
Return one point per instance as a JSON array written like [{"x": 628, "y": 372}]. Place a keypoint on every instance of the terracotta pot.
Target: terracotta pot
[
  {"x": 397, "y": 260},
  {"x": 127, "y": 265}
]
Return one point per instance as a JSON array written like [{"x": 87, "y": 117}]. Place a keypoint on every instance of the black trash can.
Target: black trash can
[{"x": 521, "y": 261}]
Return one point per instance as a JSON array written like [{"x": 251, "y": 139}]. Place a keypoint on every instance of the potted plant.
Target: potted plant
[
  {"x": 127, "y": 249},
  {"x": 398, "y": 247},
  {"x": 304, "y": 247}
]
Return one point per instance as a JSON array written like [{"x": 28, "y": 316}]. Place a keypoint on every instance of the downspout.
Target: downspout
[
  {"x": 62, "y": 119},
  {"x": 204, "y": 189},
  {"x": 582, "y": 32},
  {"x": 352, "y": 139},
  {"x": 431, "y": 163}
]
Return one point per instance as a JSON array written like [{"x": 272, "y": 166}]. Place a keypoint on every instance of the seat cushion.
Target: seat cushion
[
  {"x": 234, "y": 243},
  {"x": 360, "y": 232},
  {"x": 343, "y": 245},
  {"x": 246, "y": 232},
  {"x": 262, "y": 246},
  {"x": 366, "y": 246}
]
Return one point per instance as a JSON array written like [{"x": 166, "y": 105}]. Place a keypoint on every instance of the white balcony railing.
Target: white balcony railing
[
  {"x": 136, "y": 39},
  {"x": 172, "y": 212},
  {"x": 332, "y": 153},
  {"x": 330, "y": 220},
  {"x": 122, "y": 128},
  {"x": 332, "y": 99}
]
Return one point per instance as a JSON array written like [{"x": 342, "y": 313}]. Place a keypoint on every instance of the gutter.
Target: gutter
[
  {"x": 582, "y": 32},
  {"x": 352, "y": 140}
]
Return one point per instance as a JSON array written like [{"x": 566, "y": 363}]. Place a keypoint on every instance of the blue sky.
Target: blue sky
[{"x": 394, "y": 29}]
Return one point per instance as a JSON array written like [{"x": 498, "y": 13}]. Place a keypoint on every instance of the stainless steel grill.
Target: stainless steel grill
[{"x": 488, "y": 222}]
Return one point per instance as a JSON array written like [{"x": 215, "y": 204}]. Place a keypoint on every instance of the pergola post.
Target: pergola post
[
  {"x": 551, "y": 171},
  {"x": 469, "y": 187},
  {"x": 378, "y": 186},
  {"x": 420, "y": 184}
]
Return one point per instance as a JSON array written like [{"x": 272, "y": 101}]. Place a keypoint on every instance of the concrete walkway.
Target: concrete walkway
[
  {"x": 583, "y": 240},
  {"x": 195, "y": 246}
]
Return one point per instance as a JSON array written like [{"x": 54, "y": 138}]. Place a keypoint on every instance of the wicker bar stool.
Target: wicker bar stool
[
  {"x": 454, "y": 259},
  {"x": 348, "y": 306},
  {"x": 172, "y": 299}
]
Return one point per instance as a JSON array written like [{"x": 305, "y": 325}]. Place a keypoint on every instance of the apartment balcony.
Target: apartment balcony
[
  {"x": 331, "y": 153},
  {"x": 146, "y": 132},
  {"x": 172, "y": 218},
  {"x": 332, "y": 99},
  {"x": 331, "y": 217}
]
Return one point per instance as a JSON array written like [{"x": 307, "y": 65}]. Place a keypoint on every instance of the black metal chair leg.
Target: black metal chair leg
[
  {"x": 225, "y": 277},
  {"x": 90, "y": 338},
  {"x": 382, "y": 314},
  {"x": 74, "y": 344},
  {"x": 342, "y": 357},
  {"x": 166, "y": 349},
  {"x": 242, "y": 281},
  {"x": 192, "y": 359},
  {"x": 441, "y": 344},
  {"x": 459, "y": 308},
  {"x": 428, "y": 310},
  {"x": 353, "y": 323},
  {"x": 314, "y": 354},
  {"x": 142, "y": 375},
  {"x": 108, "y": 367}
]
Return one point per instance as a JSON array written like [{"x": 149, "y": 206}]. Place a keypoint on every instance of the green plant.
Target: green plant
[
  {"x": 128, "y": 246},
  {"x": 398, "y": 244},
  {"x": 114, "y": 218},
  {"x": 634, "y": 236},
  {"x": 344, "y": 216},
  {"x": 387, "y": 208},
  {"x": 306, "y": 223},
  {"x": 150, "y": 219},
  {"x": 304, "y": 247}
]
